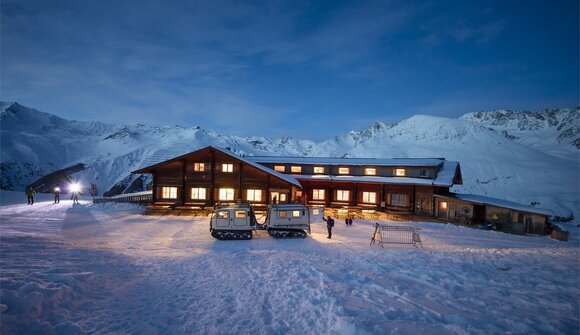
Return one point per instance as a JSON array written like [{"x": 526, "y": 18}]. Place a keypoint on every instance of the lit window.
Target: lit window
[
  {"x": 398, "y": 199},
  {"x": 400, "y": 172},
  {"x": 443, "y": 205},
  {"x": 317, "y": 194},
  {"x": 296, "y": 214},
  {"x": 254, "y": 195},
  {"x": 222, "y": 215},
  {"x": 280, "y": 168},
  {"x": 199, "y": 167},
  {"x": 342, "y": 195},
  {"x": 283, "y": 197},
  {"x": 369, "y": 197},
  {"x": 343, "y": 170},
  {"x": 240, "y": 214},
  {"x": 228, "y": 168},
  {"x": 282, "y": 214},
  {"x": 169, "y": 192},
  {"x": 296, "y": 169},
  {"x": 198, "y": 193},
  {"x": 371, "y": 171},
  {"x": 226, "y": 194},
  {"x": 319, "y": 170}
]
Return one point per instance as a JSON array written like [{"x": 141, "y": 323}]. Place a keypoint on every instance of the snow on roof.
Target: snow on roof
[
  {"x": 348, "y": 161},
  {"x": 483, "y": 200},
  {"x": 367, "y": 179},
  {"x": 282, "y": 176},
  {"x": 446, "y": 175}
]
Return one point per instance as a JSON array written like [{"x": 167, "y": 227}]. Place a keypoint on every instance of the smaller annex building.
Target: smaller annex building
[
  {"x": 418, "y": 186},
  {"x": 478, "y": 209}
]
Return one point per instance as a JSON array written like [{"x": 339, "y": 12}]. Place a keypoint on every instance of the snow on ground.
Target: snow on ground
[{"x": 108, "y": 269}]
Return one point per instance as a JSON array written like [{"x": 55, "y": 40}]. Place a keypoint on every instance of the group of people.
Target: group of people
[
  {"x": 30, "y": 193},
  {"x": 330, "y": 223}
]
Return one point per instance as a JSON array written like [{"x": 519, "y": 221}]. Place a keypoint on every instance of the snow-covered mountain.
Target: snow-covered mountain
[{"x": 520, "y": 156}]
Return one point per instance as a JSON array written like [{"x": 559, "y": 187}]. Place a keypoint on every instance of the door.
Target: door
[
  {"x": 240, "y": 218},
  {"x": 478, "y": 214},
  {"x": 443, "y": 210}
]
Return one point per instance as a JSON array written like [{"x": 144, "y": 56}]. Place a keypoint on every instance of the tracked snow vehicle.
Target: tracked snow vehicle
[
  {"x": 288, "y": 221},
  {"x": 233, "y": 222},
  {"x": 238, "y": 221}
]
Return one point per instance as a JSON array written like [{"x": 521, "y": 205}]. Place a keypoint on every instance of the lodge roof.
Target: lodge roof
[
  {"x": 483, "y": 200},
  {"x": 394, "y": 162},
  {"x": 284, "y": 177}
]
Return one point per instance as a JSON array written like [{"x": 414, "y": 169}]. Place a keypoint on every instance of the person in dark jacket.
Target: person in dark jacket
[
  {"x": 56, "y": 195},
  {"x": 329, "y": 225},
  {"x": 30, "y": 194},
  {"x": 350, "y": 221}
]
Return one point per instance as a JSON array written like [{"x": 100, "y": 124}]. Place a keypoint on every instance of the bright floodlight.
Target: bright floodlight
[
  {"x": 75, "y": 187},
  {"x": 57, "y": 189}
]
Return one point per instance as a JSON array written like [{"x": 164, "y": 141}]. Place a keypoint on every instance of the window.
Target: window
[
  {"x": 398, "y": 199},
  {"x": 254, "y": 195},
  {"x": 296, "y": 214},
  {"x": 296, "y": 169},
  {"x": 240, "y": 214},
  {"x": 283, "y": 197},
  {"x": 319, "y": 170},
  {"x": 199, "y": 167},
  {"x": 343, "y": 170},
  {"x": 369, "y": 197},
  {"x": 282, "y": 214},
  {"x": 400, "y": 172},
  {"x": 229, "y": 168},
  {"x": 423, "y": 173},
  {"x": 280, "y": 168},
  {"x": 317, "y": 194},
  {"x": 226, "y": 194},
  {"x": 370, "y": 171},
  {"x": 198, "y": 193},
  {"x": 222, "y": 214},
  {"x": 342, "y": 195},
  {"x": 169, "y": 192},
  {"x": 443, "y": 205}
]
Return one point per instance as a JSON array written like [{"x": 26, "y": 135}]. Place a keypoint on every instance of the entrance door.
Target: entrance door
[
  {"x": 240, "y": 218},
  {"x": 443, "y": 209},
  {"x": 478, "y": 214}
]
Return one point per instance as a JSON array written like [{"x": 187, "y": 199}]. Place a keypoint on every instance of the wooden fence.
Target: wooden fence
[{"x": 138, "y": 198}]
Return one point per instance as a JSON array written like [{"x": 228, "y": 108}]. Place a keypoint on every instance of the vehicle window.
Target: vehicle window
[{"x": 222, "y": 214}]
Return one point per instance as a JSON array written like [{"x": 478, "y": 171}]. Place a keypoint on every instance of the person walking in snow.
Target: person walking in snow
[
  {"x": 30, "y": 194},
  {"x": 329, "y": 225},
  {"x": 75, "y": 197},
  {"x": 350, "y": 221},
  {"x": 56, "y": 195}
]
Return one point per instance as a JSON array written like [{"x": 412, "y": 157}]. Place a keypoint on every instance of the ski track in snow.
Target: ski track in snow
[{"x": 105, "y": 269}]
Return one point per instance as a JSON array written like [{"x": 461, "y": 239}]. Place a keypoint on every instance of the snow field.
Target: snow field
[{"x": 108, "y": 269}]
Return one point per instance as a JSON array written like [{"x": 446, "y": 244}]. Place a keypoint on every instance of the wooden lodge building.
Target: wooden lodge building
[{"x": 212, "y": 175}]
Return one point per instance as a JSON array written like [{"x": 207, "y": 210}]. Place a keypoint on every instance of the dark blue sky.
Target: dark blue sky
[{"x": 287, "y": 68}]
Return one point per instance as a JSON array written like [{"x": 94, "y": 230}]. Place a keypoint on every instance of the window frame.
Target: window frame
[
  {"x": 318, "y": 194},
  {"x": 228, "y": 167},
  {"x": 280, "y": 168},
  {"x": 171, "y": 192},
  {"x": 318, "y": 170},
  {"x": 398, "y": 172},
  {"x": 368, "y": 197},
  {"x": 253, "y": 192},
  {"x": 296, "y": 169},
  {"x": 199, "y": 167},
  {"x": 226, "y": 190},
  {"x": 340, "y": 195},
  {"x": 199, "y": 190},
  {"x": 342, "y": 169},
  {"x": 374, "y": 173}
]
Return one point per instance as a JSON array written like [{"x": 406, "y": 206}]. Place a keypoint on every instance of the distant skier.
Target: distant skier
[
  {"x": 56, "y": 195},
  {"x": 329, "y": 225},
  {"x": 30, "y": 194}
]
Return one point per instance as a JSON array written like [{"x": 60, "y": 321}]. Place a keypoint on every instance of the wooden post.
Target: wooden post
[
  {"x": 241, "y": 167},
  {"x": 154, "y": 193},
  {"x": 183, "y": 181},
  {"x": 268, "y": 189},
  {"x": 212, "y": 187}
]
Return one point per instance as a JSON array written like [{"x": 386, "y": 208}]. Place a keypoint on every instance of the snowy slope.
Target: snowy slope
[
  {"x": 519, "y": 156},
  {"x": 107, "y": 269}
]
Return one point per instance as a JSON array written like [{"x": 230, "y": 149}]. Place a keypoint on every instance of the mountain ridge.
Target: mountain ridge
[{"x": 525, "y": 147}]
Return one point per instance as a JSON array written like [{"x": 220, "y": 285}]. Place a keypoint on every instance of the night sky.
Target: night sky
[{"x": 307, "y": 69}]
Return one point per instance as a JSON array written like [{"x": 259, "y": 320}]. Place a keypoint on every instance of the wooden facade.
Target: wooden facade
[{"x": 210, "y": 175}]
